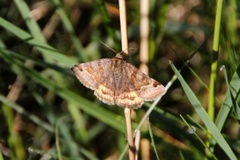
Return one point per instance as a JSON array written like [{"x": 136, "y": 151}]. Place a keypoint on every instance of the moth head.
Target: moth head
[{"x": 122, "y": 55}]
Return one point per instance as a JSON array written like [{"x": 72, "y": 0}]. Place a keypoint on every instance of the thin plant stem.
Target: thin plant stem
[
  {"x": 127, "y": 111},
  {"x": 131, "y": 147},
  {"x": 144, "y": 35},
  {"x": 214, "y": 65},
  {"x": 123, "y": 25},
  {"x": 137, "y": 142},
  {"x": 144, "y": 59},
  {"x": 153, "y": 141}
]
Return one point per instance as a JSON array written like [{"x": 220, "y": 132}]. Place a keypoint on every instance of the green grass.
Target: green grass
[{"x": 55, "y": 115}]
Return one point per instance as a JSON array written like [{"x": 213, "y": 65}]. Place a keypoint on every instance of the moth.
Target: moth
[{"x": 116, "y": 82}]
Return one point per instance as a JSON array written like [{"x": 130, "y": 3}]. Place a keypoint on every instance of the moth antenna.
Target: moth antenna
[
  {"x": 122, "y": 54},
  {"x": 108, "y": 47}
]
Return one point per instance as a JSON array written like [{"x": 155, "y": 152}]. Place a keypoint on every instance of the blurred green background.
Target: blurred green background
[{"x": 46, "y": 113}]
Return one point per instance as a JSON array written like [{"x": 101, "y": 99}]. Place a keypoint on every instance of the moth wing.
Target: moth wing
[
  {"x": 96, "y": 76},
  {"x": 145, "y": 87},
  {"x": 126, "y": 94}
]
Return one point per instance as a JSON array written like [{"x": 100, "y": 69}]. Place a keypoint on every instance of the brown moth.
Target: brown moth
[{"x": 117, "y": 82}]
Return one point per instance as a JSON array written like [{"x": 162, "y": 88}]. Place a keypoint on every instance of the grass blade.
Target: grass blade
[{"x": 204, "y": 116}]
